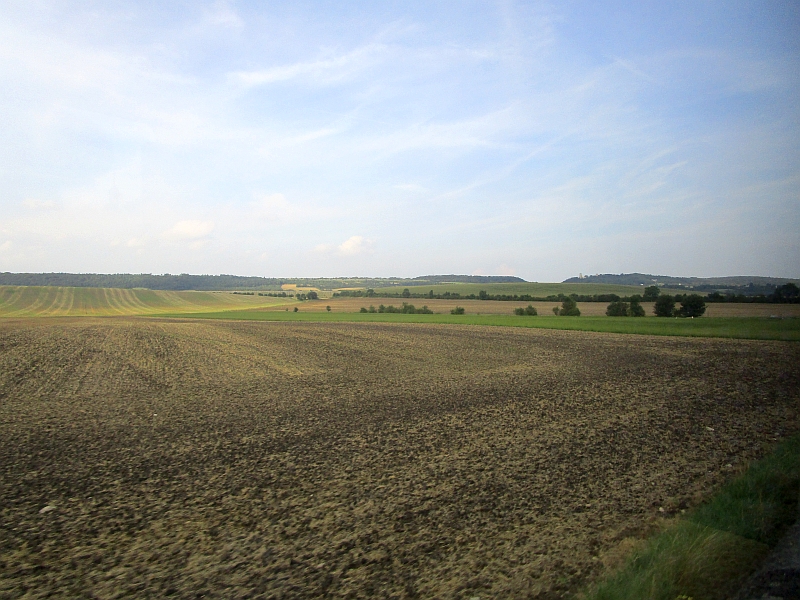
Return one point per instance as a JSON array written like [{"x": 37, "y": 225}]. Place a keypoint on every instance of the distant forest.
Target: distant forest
[
  {"x": 740, "y": 285},
  {"x": 229, "y": 282}
]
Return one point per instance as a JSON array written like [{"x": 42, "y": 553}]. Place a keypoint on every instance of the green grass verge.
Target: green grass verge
[
  {"x": 735, "y": 327},
  {"x": 707, "y": 554}
]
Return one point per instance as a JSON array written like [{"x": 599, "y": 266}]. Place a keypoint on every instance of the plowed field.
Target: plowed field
[{"x": 146, "y": 458}]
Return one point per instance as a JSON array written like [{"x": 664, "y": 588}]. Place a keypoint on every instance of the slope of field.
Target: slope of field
[
  {"x": 537, "y": 290},
  {"x": 33, "y": 301},
  {"x": 154, "y": 458}
]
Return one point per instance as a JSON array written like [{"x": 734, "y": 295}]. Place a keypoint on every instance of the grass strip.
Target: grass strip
[
  {"x": 708, "y": 554},
  {"x": 756, "y": 328}
]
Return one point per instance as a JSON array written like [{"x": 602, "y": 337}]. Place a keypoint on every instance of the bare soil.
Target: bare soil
[{"x": 145, "y": 458}]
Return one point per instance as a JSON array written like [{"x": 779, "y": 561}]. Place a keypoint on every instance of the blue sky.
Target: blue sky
[{"x": 400, "y": 138}]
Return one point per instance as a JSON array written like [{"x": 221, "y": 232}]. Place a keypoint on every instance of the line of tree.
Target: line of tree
[
  {"x": 528, "y": 311},
  {"x": 787, "y": 293},
  {"x": 406, "y": 309}
]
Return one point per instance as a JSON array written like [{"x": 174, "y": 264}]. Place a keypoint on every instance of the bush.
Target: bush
[
  {"x": 617, "y": 309},
  {"x": 636, "y": 309},
  {"x": 458, "y": 310},
  {"x": 295, "y": 309},
  {"x": 664, "y": 306},
  {"x": 362, "y": 310},
  {"x": 692, "y": 306},
  {"x": 328, "y": 308},
  {"x": 529, "y": 311},
  {"x": 569, "y": 308}
]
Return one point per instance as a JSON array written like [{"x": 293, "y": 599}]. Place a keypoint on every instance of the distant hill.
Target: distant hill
[
  {"x": 740, "y": 284},
  {"x": 185, "y": 282}
]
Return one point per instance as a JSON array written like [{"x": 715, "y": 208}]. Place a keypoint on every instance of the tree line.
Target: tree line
[{"x": 787, "y": 293}]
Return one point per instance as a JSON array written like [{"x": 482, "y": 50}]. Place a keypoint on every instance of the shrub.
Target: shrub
[
  {"x": 328, "y": 308},
  {"x": 363, "y": 310},
  {"x": 692, "y": 306},
  {"x": 372, "y": 309},
  {"x": 617, "y": 309},
  {"x": 569, "y": 308},
  {"x": 529, "y": 311},
  {"x": 458, "y": 310},
  {"x": 295, "y": 309},
  {"x": 555, "y": 310},
  {"x": 636, "y": 309},
  {"x": 664, "y": 306}
]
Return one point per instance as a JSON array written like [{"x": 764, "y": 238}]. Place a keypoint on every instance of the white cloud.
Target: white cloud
[
  {"x": 223, "y": 15},
  {"x": 411, "y": 187},
  {"x": 354, "y": 245},
  {"x": 189, "y": 230},
  {"x": 273, "y": 207},
  {"x": 34, "y": 204},
  {"x": 136, "y": 242}
]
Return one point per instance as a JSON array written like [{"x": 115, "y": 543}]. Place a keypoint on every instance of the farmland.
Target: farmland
[
  {"x": 46, "y": 301},
  {"x": 292, "y": 459},
  {"x": 539, "y": 290}
]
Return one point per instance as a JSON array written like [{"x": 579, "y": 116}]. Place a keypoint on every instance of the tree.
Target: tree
[
  {"x": 458, "y": 310},
  {"x": 617, "y": 309},
  {"x": 788, "y": 292},
  {"x": 483, "y": 295},
  {"x": 312, "y": 295},
  {"x": 295, "y": 309},
  {"x": 328, "y": 308},
  {"x": 692, "y": 306},
  {"x": 664, "y": 306},
  {"x": 651, "y": 293},
  {"x": 569, "y": 308},
  {"x": 635, "y": 309},
  {"x": 406, "y": 293}
]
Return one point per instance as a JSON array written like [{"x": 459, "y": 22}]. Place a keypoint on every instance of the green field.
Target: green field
[
  {"x": 51, "y": 301},
  {"x": 755, "y": 328},
  {"x": 537, "y": 290}
]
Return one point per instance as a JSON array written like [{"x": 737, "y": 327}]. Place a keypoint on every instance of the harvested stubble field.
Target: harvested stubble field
[
  {"x": 358, "y": 460},
  {"x": 497, "y": 307}
]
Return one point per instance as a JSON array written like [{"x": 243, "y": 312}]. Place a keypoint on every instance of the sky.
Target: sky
[{"x": 326, "y": 139}]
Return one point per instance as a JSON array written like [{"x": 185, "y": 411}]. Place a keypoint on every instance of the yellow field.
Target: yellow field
[{"x": 30, "y": 301}]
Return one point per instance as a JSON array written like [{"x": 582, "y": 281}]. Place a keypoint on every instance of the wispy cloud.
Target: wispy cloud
[{"x": 323, "y": 71}]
